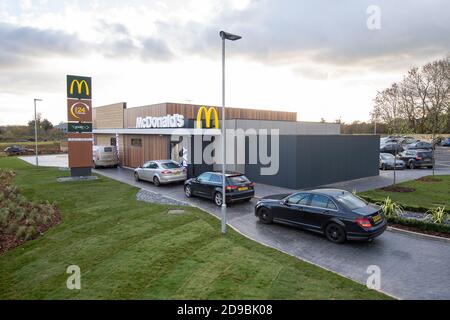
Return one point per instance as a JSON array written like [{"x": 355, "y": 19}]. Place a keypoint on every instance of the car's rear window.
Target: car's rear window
[
  {"x": 424, "y": 154},
  {"x": 170, "y": 165},
  {"x": 387, "y": 156},
  {"x": 237, "y": 180},
  {"x": 351, "y": 201},
  {"x": 107, "y": 149}
]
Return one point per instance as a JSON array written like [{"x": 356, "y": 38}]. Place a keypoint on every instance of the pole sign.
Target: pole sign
[
  {"x": 79, "y": 126},
  {"x": 79, "y": 87},
  {"x": 79, "y": 110}
]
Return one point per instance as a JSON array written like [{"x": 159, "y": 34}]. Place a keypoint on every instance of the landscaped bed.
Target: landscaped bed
[
  {"x": 20, "y": 219},
  {"x": 429, "y": 196},
  {"x": 136, "y": 250}
]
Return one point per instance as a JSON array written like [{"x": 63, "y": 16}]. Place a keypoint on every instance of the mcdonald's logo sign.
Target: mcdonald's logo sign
[
  {"x": 79, "y": 87},
  {"x": 207, "y": 113}
]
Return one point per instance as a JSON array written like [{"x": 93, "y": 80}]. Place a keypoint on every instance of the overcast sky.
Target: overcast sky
[{"x": 315, "y": 57}]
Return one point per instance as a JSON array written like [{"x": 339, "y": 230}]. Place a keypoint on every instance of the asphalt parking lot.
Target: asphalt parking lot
[{"x": 411, "y": 267}]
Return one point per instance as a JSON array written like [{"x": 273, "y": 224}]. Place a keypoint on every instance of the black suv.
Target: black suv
[
  {"x": 417, "y": 158},
  {"x": 209, "y": 185}
]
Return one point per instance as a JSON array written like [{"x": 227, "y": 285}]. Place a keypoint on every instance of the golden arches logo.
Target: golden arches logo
[
  {"x": 79, "y": 86},
  {"x": 208, "y": 113},
  {"x": 79, "y": 108}
]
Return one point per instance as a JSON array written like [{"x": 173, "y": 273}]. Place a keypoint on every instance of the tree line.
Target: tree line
[
  {"x": 420, "y": 103},
  {"x": 16, "y": 133}
]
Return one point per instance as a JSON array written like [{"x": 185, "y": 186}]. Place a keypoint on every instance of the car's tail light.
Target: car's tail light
[
  {"x": 364, "y": 222},
  {"x": 166, "y": 172},
  {"x": 229, "y": 188},
  {"x": 252, "y": 184},
  {"x": 418, "y": 158}
]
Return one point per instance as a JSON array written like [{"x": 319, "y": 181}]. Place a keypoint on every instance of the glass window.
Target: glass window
[
  {"x": 204, "y": 177},
  {"x": 216, "y": 178},
  {"x": 331, "y": 205},
  {"x": 136, "y": 142},
  {"x": 146, "y": 165},
  {"x": 170, "y": 165},
  {"x": 107, "y": 149},
  {"x": 299, "y": 198},
  {"x": 351, "y": 201},
  {"x": 237, "y": 180},
  {"x": 319, "y": 201},
  {"x": 153, "y": 165}
]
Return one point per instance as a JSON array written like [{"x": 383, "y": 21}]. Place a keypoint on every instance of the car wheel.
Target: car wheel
[
  {"x": 411, "y": 165},
  {"x": 335, "y": 233},
  {"x": 218, "y": 199},
  {"x": 265, "y": 216},
  {"x": 383, "y": 167},
  {"x": 156, "y": 181},
  {"x": 136, "y": 177},
  {"x": 188, "y": 191}
]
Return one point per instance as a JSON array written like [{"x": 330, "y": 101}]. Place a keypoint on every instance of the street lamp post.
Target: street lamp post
[
  {"x": 36, "y": 132},
  {"x": 225, "y": 36}
]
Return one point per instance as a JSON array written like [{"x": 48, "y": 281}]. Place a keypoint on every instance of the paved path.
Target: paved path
[{"x": 411, "y": 267}]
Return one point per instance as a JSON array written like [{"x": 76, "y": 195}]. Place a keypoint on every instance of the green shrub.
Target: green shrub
[
  {"x": 437, "y": 215},
  {"x": 390, "y": 208},
  {"x": 420, "y": 224}
]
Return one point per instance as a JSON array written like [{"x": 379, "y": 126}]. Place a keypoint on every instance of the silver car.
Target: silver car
[
  {"x": 161, "y": 172},
  {"x": 387, "y": 162}
]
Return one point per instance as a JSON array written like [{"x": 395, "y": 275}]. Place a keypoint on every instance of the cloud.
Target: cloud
[
  {"x": 20, "y": 45},
  {"x": 323, "y": 31}
]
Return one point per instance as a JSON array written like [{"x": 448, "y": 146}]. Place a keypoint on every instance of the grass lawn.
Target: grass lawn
[
  {"x": 133, "y": 250},
  {"x": 427, "y": 195}
]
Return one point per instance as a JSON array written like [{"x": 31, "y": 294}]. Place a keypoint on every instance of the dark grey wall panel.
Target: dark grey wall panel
[{"x": 310, "y": 160}]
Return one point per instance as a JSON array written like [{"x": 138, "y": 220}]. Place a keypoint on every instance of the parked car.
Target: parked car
[
  {"x": 209, "y": 185},
  {"x": 418, "y": 145},
  {"x": 388, "y": 160},
  {"x": 417, "y": 158},
  {"x": 338, "y": 214},
  {"x": 105, "y": 156},
  {"x": 392, "y": 148},
  {"x": 409, "y": 140},
  {"x": 161, "y": 172},
  {"x": 16, "y": 150},
  {"x": 445, "y": 142}
]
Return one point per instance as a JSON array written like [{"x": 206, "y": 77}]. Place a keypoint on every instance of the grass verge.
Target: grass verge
[
  {"x": 133, "y": 250},
  {"x": 427, "y": 195}
]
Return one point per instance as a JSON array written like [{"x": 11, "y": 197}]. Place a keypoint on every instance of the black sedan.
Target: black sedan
[
  {"x": 419, "y": 145},
  {"x": 209, "y": 185},
  {"x": 16, "y": 150},
  {"x": 392, "y": 148},
  {"x": 338, "y": 214}
]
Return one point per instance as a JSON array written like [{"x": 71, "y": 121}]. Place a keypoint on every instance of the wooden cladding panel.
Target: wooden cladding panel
[
  {"x": 190, "y": 112},
  {"x": 153, "y": 147},
  {"x": 110, "y": 116},
  {"x": 156, "y": 110}
]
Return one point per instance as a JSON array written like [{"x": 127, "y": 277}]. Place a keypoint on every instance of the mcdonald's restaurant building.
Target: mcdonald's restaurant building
[{"x": 309, "y": 153}]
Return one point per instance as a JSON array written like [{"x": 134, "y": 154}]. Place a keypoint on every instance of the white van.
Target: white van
[{"x": 105, "y": 156}]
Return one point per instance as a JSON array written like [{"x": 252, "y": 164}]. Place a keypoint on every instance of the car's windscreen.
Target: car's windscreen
[
  {"x": 237, "y": 180},
  {"x": 107, "y": 149},
  {"x": 170, "y": 165},
  {"x": 387, "y": 156},
  {"x": 351, "y": 201}
]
